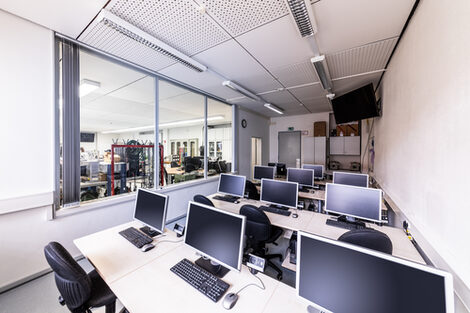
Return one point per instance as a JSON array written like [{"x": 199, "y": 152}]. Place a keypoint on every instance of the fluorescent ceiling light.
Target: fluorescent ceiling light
[
  {"x": 164, "y": 125},
  {"x": 302, "y": 13},
  {"x": 88, "y": 86},
  {"x": 321, "y": 68},
  {"x": 274, "y": 108},
  {"x": 241, "y": 90},
  {"x": 135, "y": 33}
]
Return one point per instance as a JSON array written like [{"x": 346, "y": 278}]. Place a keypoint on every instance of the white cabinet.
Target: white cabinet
[
  {"x": 314, "y": 150},
  {"x": 350, "y": 145}
]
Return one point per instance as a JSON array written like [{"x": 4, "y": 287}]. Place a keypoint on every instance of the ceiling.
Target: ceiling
[{"x": 253, "y": 43}]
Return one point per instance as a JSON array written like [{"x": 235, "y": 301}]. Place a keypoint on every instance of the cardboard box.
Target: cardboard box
[
  {"x": 319, "y": 129},
  {"x": 340, "y": 129},
  {"x": 352, "y": 129}
]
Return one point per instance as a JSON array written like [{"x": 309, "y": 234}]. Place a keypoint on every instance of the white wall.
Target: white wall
[
  {"x": 257, "y": 126},
  {"x": 26, "y": 110},
  {"x": 299, "y": 122},
  {"x": 422, "y": 140}
]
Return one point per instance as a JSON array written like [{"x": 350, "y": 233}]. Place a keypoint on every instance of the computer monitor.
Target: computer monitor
[
  {"x": 217, "y": 235},
  {"x": 280, "y": 169},
  {"x": 304, "y": 177},
  {"x": 339, "y": 277},
  {"x": 150, "y": 209},
  {"x": 356, "y": 202},
  {"x": 233, "y": 185},
  {"x": 260, "y": 172},
  {"x": 318, "y": 169},
  {"x": 352, "y": 179},
  {"x": 281, "y": 193}
]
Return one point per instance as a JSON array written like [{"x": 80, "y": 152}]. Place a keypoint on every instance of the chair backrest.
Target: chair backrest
[
  {"x": 258, "y": 227},
  {"x": 72, "y": 281},
  {"x": 203, "y": 200},
  {"x": 251, "y": 190},
  {"x": 368, "y": 238}
]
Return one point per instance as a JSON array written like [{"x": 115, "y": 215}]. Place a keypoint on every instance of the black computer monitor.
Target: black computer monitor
[
  {"x": 217, "y": 235},
  {"x": 352, "y": 179},
  {"x": 260, "y": 172},
  {"x": 150, "y": 209},
  {"x": 356, "y": 202},
  {"x": 281, "y": 193},
  {"x": 340, "y": 277},
  {"x": 233, "y": 185},
  {"x": 280, "y": 169},
  {"x": 318, "y": 169},
  {"x": 304, "y": 177}
]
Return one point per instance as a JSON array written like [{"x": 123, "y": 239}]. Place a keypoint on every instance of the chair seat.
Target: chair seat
[{"x": 101, "y": 295}]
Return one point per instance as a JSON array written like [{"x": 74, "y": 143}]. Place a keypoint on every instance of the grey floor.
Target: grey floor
[{"x": 40, "y": 295}]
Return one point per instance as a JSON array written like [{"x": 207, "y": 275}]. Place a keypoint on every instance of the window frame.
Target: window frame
[{"x": 59, "y": 38}]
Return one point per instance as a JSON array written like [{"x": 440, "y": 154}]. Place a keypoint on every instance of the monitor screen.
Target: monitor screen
[
  {"x": 216, "y": 234},
  {"x": 302, "y": 176},
  {"x": 318, "y": 169},
  {"x": 233, "y": 185},
  {"x": 353, "y": 179},
  {"x": 355, "y": 105},
  {"x": 360, "y": 202},
  {"x": 260, "y": 172},
  {"x": 279, "y": 192},
  {"x": 150, "y": 209},
  {"x": 342, "y": 278}
]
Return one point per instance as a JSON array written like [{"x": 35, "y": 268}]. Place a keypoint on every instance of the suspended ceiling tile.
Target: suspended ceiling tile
[
  {"x": 346, "y": 24},
  {"x": 66, "y": 17},
  {"x": 295, "y": 74},
  {"x": 279, "y": 98},
  {"x": 342, "y": 86},
  {"x": 178, "y": 23},
  {"x": 230, "y": 60},
  {"x": 142, "y": 91},
  {"x": 277, "y": 44},
  {"x": 308, "y": 92},
  {"x": 361, "y": 59},
  {"x": 317, "y": 105},
  {"x": 295, "y": 111},
  {"x": 239, "y": 16}
]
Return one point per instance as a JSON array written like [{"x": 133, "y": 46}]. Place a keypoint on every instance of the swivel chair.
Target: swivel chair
[
  {"x": 251, "y": 190},
  {"x": 259, "y": 232},
  {"x": 368, "y": 238},
  {"x": 203, "y": 200},
  {"x": 78, "y": 290}
]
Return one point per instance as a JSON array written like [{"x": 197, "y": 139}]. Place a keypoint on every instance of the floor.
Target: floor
[{"x": 40, "y": 295}]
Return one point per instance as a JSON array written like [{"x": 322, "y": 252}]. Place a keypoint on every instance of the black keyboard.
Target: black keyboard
[
  {"x": 135, "y": 237},
  {"x": 275, "y": 210},
  {"x": 225, "y": 198},
  {"x": 345, "y": 225},
  {"x": 207, "y": 283}
]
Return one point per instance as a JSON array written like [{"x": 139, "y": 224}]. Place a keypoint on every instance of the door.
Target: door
[
  {"x": 288, "y": 147},
  {"x": 336, "y": 145},
  {"x": 352, "y": 145},
  {"x": 256, "y": 152}
]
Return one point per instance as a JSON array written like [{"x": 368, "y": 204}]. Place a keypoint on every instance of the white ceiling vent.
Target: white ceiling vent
[
  {"x": 363, "y": 59},
  {"x": 240, "y": 16}
]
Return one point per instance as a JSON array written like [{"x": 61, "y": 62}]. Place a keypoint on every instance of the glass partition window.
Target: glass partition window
[
  {"x": 219, "y": 136},
  {"x": 181, "y": 123}
]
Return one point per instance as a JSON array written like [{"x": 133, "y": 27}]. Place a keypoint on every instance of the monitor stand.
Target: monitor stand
[
  {"x": 149, "y": 231},
  {"x": 280, "y": 207},
  {"x": 311, "y": 309},
  {"x": 212, "y": 267},
  {"x": 304, "y": 189},
  {"x": 351, "y": 220}
]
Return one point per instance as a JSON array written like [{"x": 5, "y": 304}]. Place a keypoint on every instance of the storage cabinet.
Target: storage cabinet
[
  {"x": 345, "y": 145},
  {"x": 314, "y": 150}
]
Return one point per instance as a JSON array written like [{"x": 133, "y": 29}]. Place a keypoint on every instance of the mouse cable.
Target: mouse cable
[
  {"x": 168, "y": 241},
  {"x": 262, "y": 287}
]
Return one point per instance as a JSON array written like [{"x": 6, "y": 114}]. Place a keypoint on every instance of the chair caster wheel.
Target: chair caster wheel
[{"x": 279, "y": 277}]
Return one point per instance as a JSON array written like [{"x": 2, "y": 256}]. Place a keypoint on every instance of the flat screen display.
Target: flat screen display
[
  {"x": 352, "y": 179},
  {"x": 279, "y": 192},
  {"x": 318, "y": 169},
  {"x": 302, "y": 176},
  {"x": 355, "y": 105},
  {"x": 232, "y": 185},
  {"x": 150, "y": 209},
  {"x": 260, "y": 172}
]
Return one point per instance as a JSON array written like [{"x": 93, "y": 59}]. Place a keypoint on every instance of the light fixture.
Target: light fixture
[
  {"x": 303, "y": 16},
  {"x": 330, "y": 96},
  {"x": 135, "y": 33},
  {"x": 88, "y": 86},
  {"x": 241, "y": 90},
  {"x": 274, "y": 108},
  {"x": 162, "y": 125},
  {"x": 321, "y": 68}
]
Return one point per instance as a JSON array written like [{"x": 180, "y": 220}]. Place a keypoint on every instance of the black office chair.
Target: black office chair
[
  {"x": 368, "y": 238},
  {"x": 203, "y": 200},
  {"x": 174, "y": 164},
  {"x": 78, "y": 290},
  {"x": 259, "y": 232},
  {"x": 251, "y": 190}
]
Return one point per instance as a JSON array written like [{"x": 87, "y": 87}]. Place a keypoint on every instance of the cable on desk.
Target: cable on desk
[
  {"x": 262, "y": 287},
  {"x": 168, "y": 241}
]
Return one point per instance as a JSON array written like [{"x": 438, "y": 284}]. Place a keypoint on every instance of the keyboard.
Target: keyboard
[
  {"x": 225, "y": 198},
  {"x": 135, "y": 237},
  {"x": 275, "y": 210},
  {"x": 207, "y": 283},
  {"x": 342, "y": 224}
]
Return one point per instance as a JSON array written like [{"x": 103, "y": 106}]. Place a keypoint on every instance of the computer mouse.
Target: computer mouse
[
  {"x": 295, "y": 215},
  {"x": 230, "y": 300},
  {"x": 147, "y": 247}
]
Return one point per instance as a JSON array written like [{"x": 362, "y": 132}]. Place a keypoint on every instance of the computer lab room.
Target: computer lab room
[{"x": 252, "y": 156}]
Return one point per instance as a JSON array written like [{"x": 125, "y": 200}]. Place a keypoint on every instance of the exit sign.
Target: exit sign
[{"x": 290, "y": 128}]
